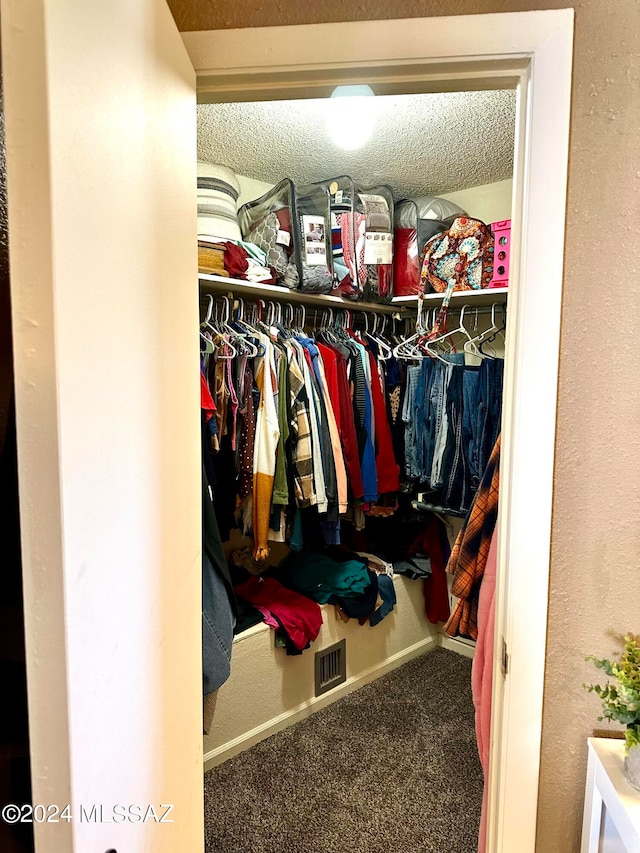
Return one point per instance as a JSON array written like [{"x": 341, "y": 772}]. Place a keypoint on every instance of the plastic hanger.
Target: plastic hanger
[
  {"x": 384, "y": 350},
  {"x": 407, "y": 348},
  {"x": 486, "y": 337},
  {"x": 461, "y": 329},
  {"x": 247, "y": 334}
]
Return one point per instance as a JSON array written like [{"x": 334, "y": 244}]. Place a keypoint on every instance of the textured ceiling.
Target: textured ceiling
[{"x": 423, "y": 144}]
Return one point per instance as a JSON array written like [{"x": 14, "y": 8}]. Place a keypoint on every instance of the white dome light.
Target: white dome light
[{"x": 351, "y": 116}]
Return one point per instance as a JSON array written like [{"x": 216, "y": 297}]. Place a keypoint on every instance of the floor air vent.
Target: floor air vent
[{"x": 331, "y": 667}]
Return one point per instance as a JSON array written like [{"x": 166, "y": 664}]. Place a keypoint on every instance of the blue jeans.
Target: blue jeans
[
  {"x": 387, "y": 593},
  {"x": 411, "y": 428},
  {"x": 217, "y": 629},
  {"x": 422, "y": 421},
  {"x": 470, "y": 382},
  {"x": 456, "y": 489},
  {"x": 439, "y": 400},
  {"x": 489, "y": 412}
]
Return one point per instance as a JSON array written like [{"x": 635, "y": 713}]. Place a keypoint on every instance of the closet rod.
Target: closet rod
[
  {"x": 403, "y": 313},
  {"x": 247, "y": 290},
  {"x": 471, "y": 310},
  {"x": 313, "y": 315}
]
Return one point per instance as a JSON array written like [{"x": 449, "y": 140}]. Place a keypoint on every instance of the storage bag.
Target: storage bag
[
  {"x": 266, "y": 222},
  {"x": 312, "y": 239},
  {"x": 374, "y": 211},
  {"x": 416, "y": 220}
]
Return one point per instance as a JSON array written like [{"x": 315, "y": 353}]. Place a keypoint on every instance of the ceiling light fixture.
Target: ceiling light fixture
[{"x": 351, "y": 116}]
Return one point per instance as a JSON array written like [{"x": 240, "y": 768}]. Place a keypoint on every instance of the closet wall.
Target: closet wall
[
  {"x": 268, "y": 690},
  {"x": 489, "y": 202}
]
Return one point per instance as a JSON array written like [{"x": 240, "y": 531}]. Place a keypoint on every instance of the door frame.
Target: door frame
[{"x": 530, "y": 52}]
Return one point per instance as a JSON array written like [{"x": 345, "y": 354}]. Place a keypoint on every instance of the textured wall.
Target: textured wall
[
  {"x": 286, "y": 685},
  {"x": 595, "y": 580}
]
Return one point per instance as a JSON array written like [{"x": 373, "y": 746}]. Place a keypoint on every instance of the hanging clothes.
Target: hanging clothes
[
  {"x": 338, "y": 382},
  {"x": 482, "y": 676},
  {"x": 470, "y": 551},
  {"x": 219, "y": 608},
  {"x": 264, "y": 459},
  {"x": 433, "y": 543},
  {"x": 335, "y": 423},
  {"x": 387, "y": 469},
  {"x": 451, "y": 412},
  {"x": 302, "y": 424}
]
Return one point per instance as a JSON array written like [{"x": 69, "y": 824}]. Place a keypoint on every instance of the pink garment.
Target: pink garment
[{"x": 482, "y": 675}]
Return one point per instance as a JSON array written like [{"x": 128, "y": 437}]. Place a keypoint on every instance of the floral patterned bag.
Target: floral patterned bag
[{"x": 459, "y": 259}]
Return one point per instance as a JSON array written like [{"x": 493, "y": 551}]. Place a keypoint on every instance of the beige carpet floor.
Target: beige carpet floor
[{"x": 391, "y": 768}]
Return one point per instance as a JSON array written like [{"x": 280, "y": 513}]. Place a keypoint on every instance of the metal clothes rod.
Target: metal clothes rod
[{"x": 335, "y": 303}]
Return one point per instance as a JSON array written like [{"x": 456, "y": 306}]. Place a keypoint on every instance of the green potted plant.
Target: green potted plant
[{"x": 621, "y": 701}]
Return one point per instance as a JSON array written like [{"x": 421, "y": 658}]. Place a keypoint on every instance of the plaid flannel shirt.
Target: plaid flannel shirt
[
  {"x": 469, "y": 555},
  {"x": 300, "y": 434}
]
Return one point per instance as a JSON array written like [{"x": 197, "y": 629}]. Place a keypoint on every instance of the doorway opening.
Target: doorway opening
[
  {"x": 422, "y": 56},
  {"x": 457, "y": 147}
]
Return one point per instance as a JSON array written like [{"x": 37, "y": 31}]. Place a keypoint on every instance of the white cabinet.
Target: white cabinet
[{"x": 612, "y": 807}]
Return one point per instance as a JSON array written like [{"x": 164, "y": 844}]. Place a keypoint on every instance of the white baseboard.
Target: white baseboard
[
  {"x": 282, "y": 721},
  {"x": 458, "y": 645}
]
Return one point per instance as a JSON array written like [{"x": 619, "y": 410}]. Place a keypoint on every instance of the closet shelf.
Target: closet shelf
[
  {"x": 489, "y": 296},
  {"x": 238, "y": 287},
  {"x": 220, "y": 284}
]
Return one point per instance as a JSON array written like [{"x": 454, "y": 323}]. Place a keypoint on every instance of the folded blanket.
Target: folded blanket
[{"x": 218, "y": 192}]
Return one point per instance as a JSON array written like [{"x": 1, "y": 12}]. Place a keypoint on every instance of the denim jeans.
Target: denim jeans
[
  {"x": 408, "y": 416},
  {"x": 422, "y": 421},
  {"x": 470, "y": 381},
  {"x": 387, "y": 593},
  {"x": 489, "y": 413},
  {"x": 439, "y": 396},
  {"x": 436, "y": 407},
  {"x": 456, "y": 490},
  {"x": 217, "y": 629}
]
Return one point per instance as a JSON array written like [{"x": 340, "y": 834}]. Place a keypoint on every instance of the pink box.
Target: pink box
[{"x": 502, "y": 250}]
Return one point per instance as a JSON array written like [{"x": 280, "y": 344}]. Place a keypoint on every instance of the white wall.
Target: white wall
[
  {"x": 250, "y": 189},
  {"x": 488, "y": 202}
]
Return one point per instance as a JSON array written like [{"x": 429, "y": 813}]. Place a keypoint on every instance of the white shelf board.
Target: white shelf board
[
  {"x": 238, "y": 287},
  {"x": 485, "y": 297}
]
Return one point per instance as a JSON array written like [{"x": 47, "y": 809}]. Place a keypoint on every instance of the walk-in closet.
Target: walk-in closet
[
  {"x": 297, "y": 161},
  {"x": 102, "y": 166}
]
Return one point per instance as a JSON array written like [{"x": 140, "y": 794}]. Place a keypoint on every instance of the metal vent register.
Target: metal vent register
[{"x": 331, "y": 667}]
